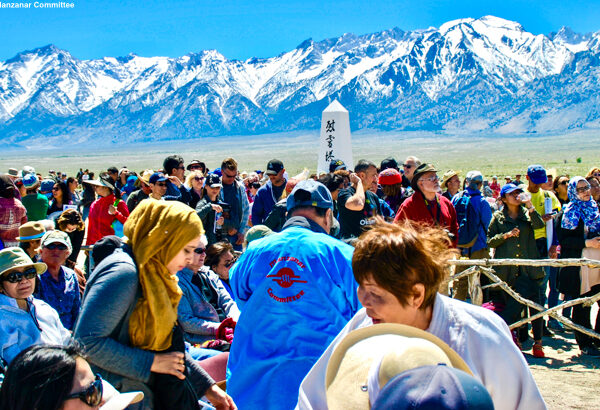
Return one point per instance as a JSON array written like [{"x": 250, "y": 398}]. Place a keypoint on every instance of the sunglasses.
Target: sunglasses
[
  {"x": 55, "y": 188},
  {"x": 56, "y": 245},
  {"x": 181, "y": 167},
  {"x": 92, "y": 395},
  {"x": 409, "y": 166},
  {"x": 229, "y": 176},
  {"x": 198, "y": 179},
  {"x": 16, "y": 277},
  {"x": 200, "y": 251},
  {"x": 161, "y": 184},
  {"x": 431, "y": 179},
  {"x": 563, "y": 182},
  {"x": 230, "y": 263},
  {"x": 193, "y": 167},
  {"x": 584, "y": 189}
]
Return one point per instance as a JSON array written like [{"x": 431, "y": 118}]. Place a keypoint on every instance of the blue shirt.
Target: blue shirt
[
  {"x": 296, "y": 291},
  {"x": 62, "y": 295}
]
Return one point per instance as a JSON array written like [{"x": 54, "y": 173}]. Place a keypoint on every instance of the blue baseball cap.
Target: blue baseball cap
[
  {"x": 537, "y": 174},
  {"x": 310, "y": 193},
  {"x": 336, "y": 164},
  {"x": 433, "y": 387},
  {"x": 157, "y": 177},
  {"x": 508, "y": 188}
]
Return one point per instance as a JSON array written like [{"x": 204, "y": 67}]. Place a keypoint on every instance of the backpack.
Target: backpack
[{"x": 468, "y": 220}]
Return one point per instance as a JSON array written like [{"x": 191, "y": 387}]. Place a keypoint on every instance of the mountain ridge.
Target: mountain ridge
[{"x": 485, "y": 74}]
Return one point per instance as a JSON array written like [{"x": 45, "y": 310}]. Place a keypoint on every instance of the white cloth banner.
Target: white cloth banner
[{"x": 335, "y": 142}]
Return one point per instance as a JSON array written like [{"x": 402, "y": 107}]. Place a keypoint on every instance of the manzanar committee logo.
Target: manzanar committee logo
[{"x": 286, "y": 277}]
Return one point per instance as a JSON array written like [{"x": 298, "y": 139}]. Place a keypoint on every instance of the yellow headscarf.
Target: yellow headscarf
[{"x": 157, "y": 231}]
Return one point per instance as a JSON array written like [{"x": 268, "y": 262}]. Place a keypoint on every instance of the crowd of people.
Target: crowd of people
[{"x": 157, "y": 289}]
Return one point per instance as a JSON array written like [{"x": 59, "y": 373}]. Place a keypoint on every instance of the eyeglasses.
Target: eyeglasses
[
  {"x": 200, "y": 251},
  {"x": 431, "y": 179},
  {"x": 16, "y": 277},
  {"x": 584, "y": 189},
  {"x": 198, "y": 179},
  {"x": 92, "y": 395},
  {"x": 161, "y": 184},
  {"x": 408, "y": 166},
  {"x": 56, "y": 245}
]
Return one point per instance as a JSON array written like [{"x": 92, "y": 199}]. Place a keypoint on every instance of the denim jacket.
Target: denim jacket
[
  {"x": 198, "y": 318},
  {"x": 243, "y": 206},
  {"x": 20, "y": 329}
]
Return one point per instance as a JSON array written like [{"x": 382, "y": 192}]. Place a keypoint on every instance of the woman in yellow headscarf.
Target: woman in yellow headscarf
[{"x": 128, "y": 321}]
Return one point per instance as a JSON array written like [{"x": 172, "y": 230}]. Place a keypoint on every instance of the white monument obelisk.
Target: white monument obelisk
[{"x": 335, "y": 137}]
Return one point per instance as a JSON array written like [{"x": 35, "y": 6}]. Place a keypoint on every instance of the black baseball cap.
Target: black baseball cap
[
  {"x": 274, "y": 167},
  {"x": 213, "y": 181}
]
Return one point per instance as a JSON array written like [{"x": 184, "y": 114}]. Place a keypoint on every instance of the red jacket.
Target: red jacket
[
  {"x": 100, "y": 221},
  {"x": 415, "y": 209}
]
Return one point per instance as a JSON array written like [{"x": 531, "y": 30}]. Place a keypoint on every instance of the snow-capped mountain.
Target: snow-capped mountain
[{"x": 485, "y": 74}]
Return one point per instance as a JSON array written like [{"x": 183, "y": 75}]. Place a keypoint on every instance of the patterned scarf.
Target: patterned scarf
[
  {"x": 157, "y": 231},
  {"x": 577, "y": 209}
]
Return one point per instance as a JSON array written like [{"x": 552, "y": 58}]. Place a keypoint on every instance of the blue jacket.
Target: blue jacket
[
  {"x": 296, "y": 291},
  {"x": 20, "y": 329},
  {"x": 180, "y": 194},
  {"x": 263, "y": 204},
  {"x": 198, "y": 318},
  {"x": 483, "y": 209}
]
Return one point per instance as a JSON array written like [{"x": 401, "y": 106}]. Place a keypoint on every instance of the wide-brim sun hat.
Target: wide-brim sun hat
[
  {"x": 116, "y": 400},
  {"x": 13, "y": 257},
  {"x": 30, "y": 231},
  {"x": 100, "y": 182},
  {"x": 448, "y": 175},
  {"x": 367, "y": 358}
]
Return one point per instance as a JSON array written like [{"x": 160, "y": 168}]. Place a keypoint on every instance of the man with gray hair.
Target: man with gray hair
[
  {"x": 410, "y": 165},
  {"x": 58, "y": 285},
  {"x": 474, "y": 214}
]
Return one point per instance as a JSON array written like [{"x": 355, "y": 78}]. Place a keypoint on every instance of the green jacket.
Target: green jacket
[{"x": 521, "y": 247}]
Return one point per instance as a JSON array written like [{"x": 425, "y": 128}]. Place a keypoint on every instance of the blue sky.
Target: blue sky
[{"x": 242, "y": 29}]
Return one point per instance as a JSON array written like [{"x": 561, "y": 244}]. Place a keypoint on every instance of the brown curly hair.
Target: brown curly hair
[
  {"x": 400, "y": 255},
  {"x": 70, "y": 217}
]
